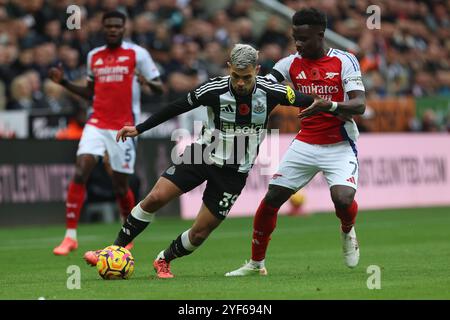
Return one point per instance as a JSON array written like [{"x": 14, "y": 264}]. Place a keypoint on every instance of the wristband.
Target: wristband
[{"x": 334, "y": 106}]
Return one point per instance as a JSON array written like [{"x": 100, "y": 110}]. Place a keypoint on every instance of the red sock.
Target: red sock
[
  {"x": 126, "y": 203},
  {"x": 263, "y": 225},
  {"x": 74, "y": 203},
  {"x": 347, "y": 216}
]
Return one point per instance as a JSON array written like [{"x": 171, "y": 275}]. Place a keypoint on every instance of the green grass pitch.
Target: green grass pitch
[{"x": 411, "y": 247}]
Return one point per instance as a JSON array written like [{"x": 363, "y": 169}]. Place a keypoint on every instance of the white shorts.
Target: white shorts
[
  {"x": 302, "y": 161},
  {"x": 95, "y": 141}
]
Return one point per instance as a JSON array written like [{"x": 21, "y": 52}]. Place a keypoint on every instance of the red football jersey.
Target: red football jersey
[
  {"x": 116, "y": 89},
  {"x": 331, "y": 77}
]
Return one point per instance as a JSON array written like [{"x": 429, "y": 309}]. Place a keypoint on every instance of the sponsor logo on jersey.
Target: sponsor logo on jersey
[
  {"x": 244, "y": 109},
  {"x": 259, "y": 108},
  {"x": 290, "y": 95},
  {"x": 356, "y": 80},
  {"x": 301, "y": 75},
  {"x": 227, "y": 108},
  {"x": 98, "y": 62},
  {"x": 330, "y": 75},
  {"x": 325, "y": 92},
  {"x": 111, "y": 74},
  {"x": 231, "y": 127}
]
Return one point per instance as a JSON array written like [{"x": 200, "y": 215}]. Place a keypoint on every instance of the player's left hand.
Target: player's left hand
[
  {"x": 127, "y": 131},
  {"x": 141, "y": 79},
  {"x": 319, "y": 105}
]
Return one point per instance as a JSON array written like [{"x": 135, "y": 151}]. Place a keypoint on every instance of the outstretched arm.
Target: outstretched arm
[
  {"x": 56, "y": 74},
  {"x": 168, "y": 112}
]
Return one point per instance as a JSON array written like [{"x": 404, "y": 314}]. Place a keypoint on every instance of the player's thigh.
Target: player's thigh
[
  {"x": 92, "y": 142},
  {"x": 122, "y": 155},
  {"x": 185, "y": 176},
  {"x": 297, "y": 167},
  {"x": 339, "y": 165},
  {"x": 222, "y": 190}
]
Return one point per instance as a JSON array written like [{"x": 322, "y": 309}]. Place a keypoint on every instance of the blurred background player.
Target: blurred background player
[
  {"x": 239, "y": 106},
  {"x": 326, "y": 141},
  {"x": 113, "y": 85}
]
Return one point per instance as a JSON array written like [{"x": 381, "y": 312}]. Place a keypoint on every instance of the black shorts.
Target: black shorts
[{"x": 223, "y": 185}]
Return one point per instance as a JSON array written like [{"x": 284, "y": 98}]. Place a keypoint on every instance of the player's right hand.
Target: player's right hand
[
  {"x": 127, "y": 131},
  {"x": 56, "y": 74}
]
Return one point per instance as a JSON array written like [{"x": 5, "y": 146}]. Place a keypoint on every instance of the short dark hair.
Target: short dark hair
[
  {"x": 114, "y": 14},
  {"x": 310, "y": 16}
]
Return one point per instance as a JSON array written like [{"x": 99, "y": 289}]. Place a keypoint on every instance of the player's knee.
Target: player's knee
[
  {"x": 342, "y": 200},
  {"x": 80, "y": 177},
  {"x": 275, "y": 197},
  {"x": 120, "y": 191}
]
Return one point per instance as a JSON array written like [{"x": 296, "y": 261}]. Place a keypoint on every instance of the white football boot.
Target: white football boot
[
  {"x": 350, "y": 248},
  {"x": 248, "y": 269}
]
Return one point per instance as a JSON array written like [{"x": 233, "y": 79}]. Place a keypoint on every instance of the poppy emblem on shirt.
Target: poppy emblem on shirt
[
  {"x": 315, "y": 74},
  {"x": 244, "y": 109},
  {"x": 110, "y": 59}
]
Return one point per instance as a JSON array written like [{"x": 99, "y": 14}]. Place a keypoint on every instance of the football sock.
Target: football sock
[
  {"x": 182, "y": 246},
  {"x": 74, "y": 203},
  {"x": 135, "y": 223},
  {"x": 126, "y": 203},
  {"x": 263, "y": 225},
  {"x": 347, "y": 216},
  {"x": 257, "y": 264},
  {"x": 71, "y": 233}
]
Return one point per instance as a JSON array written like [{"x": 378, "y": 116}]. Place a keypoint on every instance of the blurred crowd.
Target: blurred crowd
[{"x": 408, "y": 55}]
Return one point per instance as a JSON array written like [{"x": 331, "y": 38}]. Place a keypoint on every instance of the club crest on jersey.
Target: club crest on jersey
[
  {"x": 122, "y": 58},
  {"x": 259, "y": 108},
  {"x": 244, "y": 109},
  {"x": 290, "y": 95},
  {"x": 330, "y": 75}
]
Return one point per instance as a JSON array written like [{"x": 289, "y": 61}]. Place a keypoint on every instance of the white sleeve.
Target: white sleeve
[
  {"x": 145, "y": 64},
  {"x": 89, "y": 72},
  {"x": 282, "y": 67},
  {"x": 351, "y": 73}
]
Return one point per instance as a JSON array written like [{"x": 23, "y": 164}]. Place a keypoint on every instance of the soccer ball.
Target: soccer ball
[{"x": 115, "y": 262}]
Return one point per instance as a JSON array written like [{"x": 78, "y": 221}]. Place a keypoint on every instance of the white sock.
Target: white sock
[
  {"x": 257, "y": 264},
  {"x": 71, "y": 233},
  {"x": 186, "y": 242},
  {"x": 141, "y": 214},
  {"x": 160, "y": 256}
]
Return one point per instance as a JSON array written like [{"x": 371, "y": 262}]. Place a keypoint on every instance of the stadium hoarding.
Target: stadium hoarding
[
  {"x": 34, "y": 175},
  {"x": 395, "y": 171}
]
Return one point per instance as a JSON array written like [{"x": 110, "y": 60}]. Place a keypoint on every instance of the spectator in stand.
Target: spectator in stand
[{"x": 21, "y": 94}]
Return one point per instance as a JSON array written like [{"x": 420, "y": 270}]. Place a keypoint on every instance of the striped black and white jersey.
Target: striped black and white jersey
[{"x": 235, "y": 126}]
